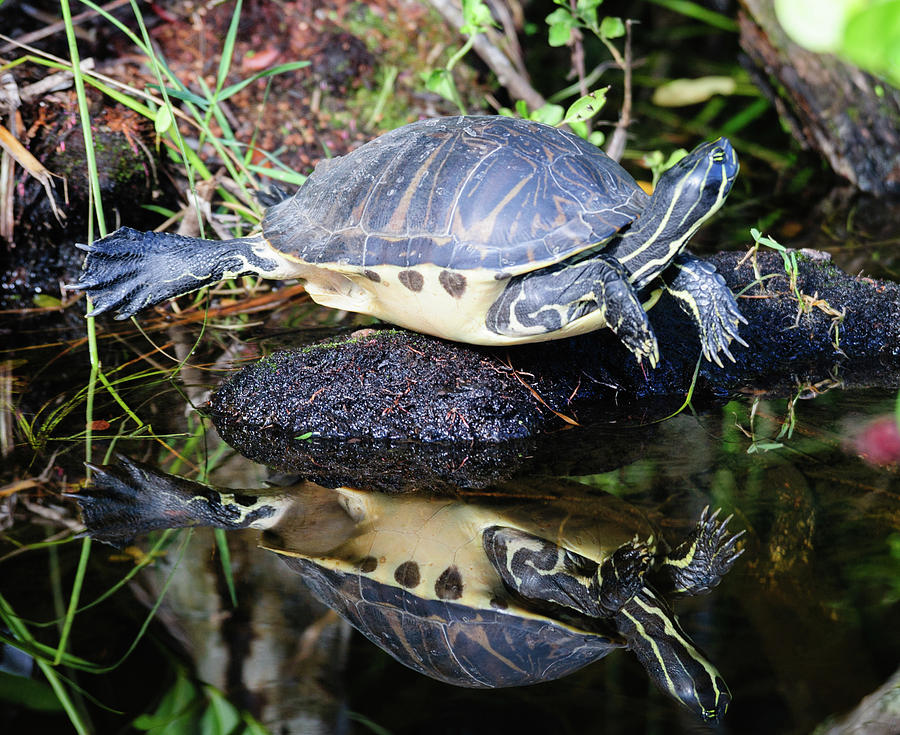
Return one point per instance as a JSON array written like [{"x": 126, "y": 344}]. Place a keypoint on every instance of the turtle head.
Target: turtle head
[
  {"x": 671, "y": 659},
  {"x": 685, "y": 197},
  {"x": 695, "y": 187}
]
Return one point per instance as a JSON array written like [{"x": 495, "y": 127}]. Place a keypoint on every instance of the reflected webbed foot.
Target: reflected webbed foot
[{"x": 698, "y": 564}]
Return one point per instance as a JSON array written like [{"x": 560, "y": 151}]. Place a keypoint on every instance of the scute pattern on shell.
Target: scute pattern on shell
[
  {"x": 452, "y": 642},
  {"x": 462, "y": 193}
]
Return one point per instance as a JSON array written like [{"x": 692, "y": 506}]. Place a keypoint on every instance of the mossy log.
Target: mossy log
[
  {"x": 298, "y": 408},
  {"x": 848, "y": 116}
]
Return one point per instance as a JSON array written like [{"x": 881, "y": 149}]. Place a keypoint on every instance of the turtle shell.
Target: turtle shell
[
  {"x": 464, "y": 193},
  {"x": 414, "y": 578},
  {"x": 455, "y": 643}
]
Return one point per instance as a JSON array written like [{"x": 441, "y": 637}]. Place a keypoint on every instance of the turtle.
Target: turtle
[
  {"x": 486, "y": 230},
  {"x": 472, "y": 594}
]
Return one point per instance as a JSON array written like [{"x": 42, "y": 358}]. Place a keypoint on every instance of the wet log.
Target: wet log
[
  {"x": 877, "y": 714},
  {"x": 848, "y": 116},
  {"x": 306, "y": 407},
  {"x": 42, "y": 253}
]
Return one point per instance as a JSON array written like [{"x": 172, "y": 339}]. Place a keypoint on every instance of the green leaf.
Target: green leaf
[
  {"x": 681, "y": 92},
  {"x": 872, "y": 39},
  {"x": 228, "y": 47},
  {"x": 477, "y": 17},
  {"x": 561, "y": 25},
  {"x": 763, "y": 446},
  {"x": 46, "y": 301},
  {"x": 304, "y": 437},
  {"x": 815, "y": 25},
  {"x": 28, "y": 693},
  {"x": 612, "y": 27},
  {"x": 162, "y": 120},
  {"x": 221, "y": 717},
  {"x": 172, "y": 716},
  {"x": 586, "y": 107},
  {"x": 587, "y": 11},
  {"x": 440, "y": 81},
  {"x": 547, "y": 114}
]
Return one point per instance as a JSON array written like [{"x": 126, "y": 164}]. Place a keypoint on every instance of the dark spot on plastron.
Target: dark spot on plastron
[
  {"x": 413, "y": 280},
  {"x": 372, "y": 276},
  {"x": 369, "y": 564},
  {"x": 499, "y": 604},
  {"x": 407, "y": 574},
  {"x": 449, "y": 585},
  {"x": 501, "y": 276},
  {"x": 453, "y": 283}
]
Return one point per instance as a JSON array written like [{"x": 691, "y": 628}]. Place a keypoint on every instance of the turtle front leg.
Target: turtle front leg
[
  {"x": 702, "y": 294},
  {"x": 540, "y": 570},
  {"x": 698, "y": 564},
  {"x": 549, "y": 299},
  {"x": 129, "y": 270},
  {"x": 621, "y": 576}
]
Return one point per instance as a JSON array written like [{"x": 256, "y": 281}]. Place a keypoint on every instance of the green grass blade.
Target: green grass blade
[
  {"x": 698, "y": 12},
  {"x": 238, "y": 86},
  {"x": 73, "y": 600},
  {"x": 225, "y": 556},
  {"x": 228, "y": 47},
  {"x": 21, "y": 633},
  {"x": 90, "y": 157}
]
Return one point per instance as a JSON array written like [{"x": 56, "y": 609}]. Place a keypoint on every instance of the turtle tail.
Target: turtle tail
[{"x": 129, "y": 270}]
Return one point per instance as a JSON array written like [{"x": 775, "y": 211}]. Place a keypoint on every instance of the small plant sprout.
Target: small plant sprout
[{"x": 477, "y": 19}]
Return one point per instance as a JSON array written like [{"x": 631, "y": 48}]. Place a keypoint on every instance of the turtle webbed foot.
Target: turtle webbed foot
[
  {"x": 621, "y": 576},
  {"x": 702, "y": 294},
  {"x": 127, "y": 499},
  {"x": 129, "y": 270},
  {"x": 698, "y": 564}
]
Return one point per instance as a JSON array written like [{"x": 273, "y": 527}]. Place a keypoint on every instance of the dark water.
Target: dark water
[{"x": 805, "y": 625}]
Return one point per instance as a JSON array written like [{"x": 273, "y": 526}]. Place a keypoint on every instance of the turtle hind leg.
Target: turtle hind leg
[
  {"x": 549, "y": 299},
  {"x": 272, "y": 195},
  {"x": 698, "y": 564},
  {"x": 703, "y": 295},
  {"x": 128, "y": 270},
  {"x": 129, "y": 498}
]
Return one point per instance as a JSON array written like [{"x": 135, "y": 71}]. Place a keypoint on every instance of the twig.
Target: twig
[
  {"x": 517, "y": 84},
  {"x": 49, "y": 30},
  {"x": 616, "y": 146},
  {"x": 576, "y": 51}
]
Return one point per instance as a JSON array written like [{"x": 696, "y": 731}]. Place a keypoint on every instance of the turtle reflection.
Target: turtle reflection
[{"x": 476, "y": 594}]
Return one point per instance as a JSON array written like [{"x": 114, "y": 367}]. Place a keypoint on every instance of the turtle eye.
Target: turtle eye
[{"x": 718, "y": 155}]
